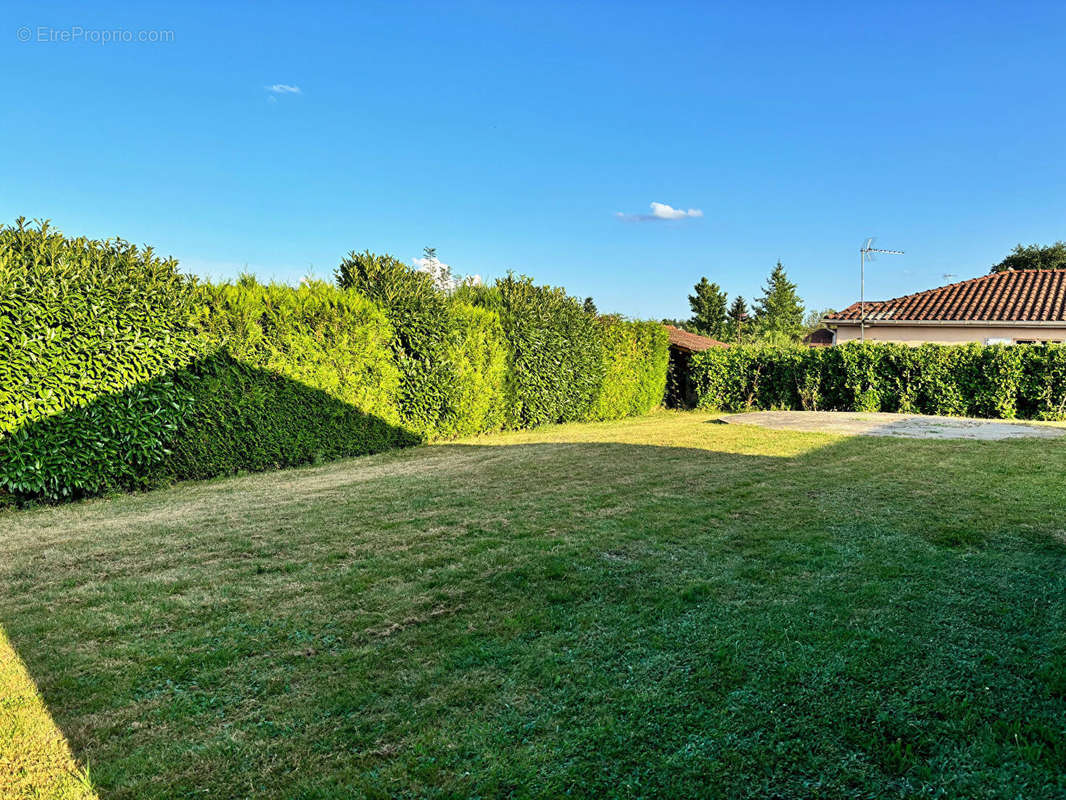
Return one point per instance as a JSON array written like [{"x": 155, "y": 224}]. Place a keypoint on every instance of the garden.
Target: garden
[{"x": 369, "y": 538}]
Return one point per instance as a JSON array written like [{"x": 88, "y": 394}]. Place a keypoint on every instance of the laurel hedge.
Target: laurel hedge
[
  {"x": 89, "y": 334},
  {"x": 120, "y": 373},
  {"x": 556, "y": 350},
  {"x": 995, "y": 381},
  {"x": 117, "y": 372}
]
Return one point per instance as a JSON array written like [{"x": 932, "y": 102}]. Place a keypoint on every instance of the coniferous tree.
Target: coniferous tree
[
  {"x": 590, "y": 306},
  {"x": 708, "y": 309},
  {"x": 779, "y": 311},
  {"x": 737, "y": 321}
]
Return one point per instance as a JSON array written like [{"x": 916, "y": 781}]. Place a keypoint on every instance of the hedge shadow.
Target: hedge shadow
[{"x": 216, "y": 416}]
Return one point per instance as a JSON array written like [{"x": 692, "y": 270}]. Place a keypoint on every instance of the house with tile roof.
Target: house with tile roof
[
  {"x": 1012, "y": 307},
  {"x": 691, "y": 342}
]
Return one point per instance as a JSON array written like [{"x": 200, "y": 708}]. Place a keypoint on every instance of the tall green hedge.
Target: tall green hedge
[
  {"x": 424, "y": 337},
  {"x": 634, "y": 379},
  {"x": 89, "y": 334},
  {"x": 117, "y": 372},
  {"x": 556, "y": 349},
  {"x": 325, "y": 337},
  {"x": 995, "y": 381},
  {"x": 293, "y": 376},
  {"x": 478, "y": 356}
]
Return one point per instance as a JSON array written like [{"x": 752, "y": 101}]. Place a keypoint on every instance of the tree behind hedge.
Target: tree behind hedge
[
  {"x": 737, "y": 322},
  {"x": 708, "y": 306},
  {"x": 779, "y": 311}
]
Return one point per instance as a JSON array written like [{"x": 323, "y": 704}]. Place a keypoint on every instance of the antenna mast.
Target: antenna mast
[{"x": 866, "y": 252}]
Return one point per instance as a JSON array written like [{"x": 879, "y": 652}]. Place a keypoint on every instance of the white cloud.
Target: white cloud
[
  {"x": 284, "y": 88},
  {"x": 661, "y": 211}
]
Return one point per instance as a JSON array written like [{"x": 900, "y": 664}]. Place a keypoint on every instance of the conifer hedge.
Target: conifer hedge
[
  {"x": 291, "y": 376},
  {"x": 452, "y": 356},
  {"x": 635, "y": 357},
  {"x": 995, "y": 381}
]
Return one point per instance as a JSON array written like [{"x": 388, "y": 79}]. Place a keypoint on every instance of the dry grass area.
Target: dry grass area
[{"x": 655, "y": 607}]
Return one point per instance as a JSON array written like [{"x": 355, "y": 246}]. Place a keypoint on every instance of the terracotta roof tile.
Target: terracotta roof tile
[
  {"x": 691, "y": 341},
  {"x": 1028, "y": 295}
]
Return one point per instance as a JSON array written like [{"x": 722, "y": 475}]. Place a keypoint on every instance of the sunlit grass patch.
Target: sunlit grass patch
[{"x": 35, "y": 759}]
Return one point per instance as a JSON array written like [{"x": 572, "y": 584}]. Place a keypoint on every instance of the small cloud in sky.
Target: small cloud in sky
[
  {"x": 660, "y": 212},
  {"x": 284, "y": 88}
]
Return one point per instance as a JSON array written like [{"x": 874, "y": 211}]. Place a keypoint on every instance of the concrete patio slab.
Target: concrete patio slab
[{"x": 913, "y": 426}]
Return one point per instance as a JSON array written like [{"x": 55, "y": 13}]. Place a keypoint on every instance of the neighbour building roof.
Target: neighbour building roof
[
  {"x": 692, "y": 342},
  {"x": 822, "y": 337},
  {"x": 1029, "y": 295}
]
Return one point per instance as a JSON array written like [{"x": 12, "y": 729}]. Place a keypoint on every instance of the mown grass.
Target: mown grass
[
  {"x": 659, "y": 607},
  {"x": 35, "y": 760}
]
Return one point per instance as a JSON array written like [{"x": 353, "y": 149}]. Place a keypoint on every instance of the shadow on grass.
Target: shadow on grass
[{"x": 755, "y": 614}]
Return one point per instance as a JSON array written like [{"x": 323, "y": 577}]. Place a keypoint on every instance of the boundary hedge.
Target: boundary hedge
[
  {"x": 290, "y": 377},
  {"x": 994, "y": 381},
  {"x": 89, "y": 332},
  {"x": 634, "y": 381},
  {"x": 117, "y": 372}
]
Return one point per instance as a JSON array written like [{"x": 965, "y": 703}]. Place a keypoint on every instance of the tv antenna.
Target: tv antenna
[
  {"x": 947, "y": 275},
  {"x": 866, "y": 253}
]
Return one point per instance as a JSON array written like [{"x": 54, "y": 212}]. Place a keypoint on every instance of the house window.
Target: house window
[{"x": 994, "y": 340}]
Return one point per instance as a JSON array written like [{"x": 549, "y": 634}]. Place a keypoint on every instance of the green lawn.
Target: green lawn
[{"x": 656, "y": 607}]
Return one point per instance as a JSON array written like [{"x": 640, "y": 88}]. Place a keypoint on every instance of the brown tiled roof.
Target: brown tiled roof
[
  {"x": 1028, "y": 295},
  {"x": 692, "y": 342},
  {"x": 822, "y": 337}
]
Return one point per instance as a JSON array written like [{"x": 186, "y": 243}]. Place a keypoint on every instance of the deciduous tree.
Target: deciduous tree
[{"x": 1034, "y": 256}]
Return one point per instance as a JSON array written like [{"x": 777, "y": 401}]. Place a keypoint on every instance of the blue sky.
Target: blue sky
[{"x": 511, "y": 136}]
